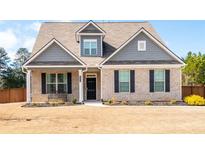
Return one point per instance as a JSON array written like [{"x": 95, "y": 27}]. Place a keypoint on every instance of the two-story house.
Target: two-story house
[{"x": 99, "y": 60}]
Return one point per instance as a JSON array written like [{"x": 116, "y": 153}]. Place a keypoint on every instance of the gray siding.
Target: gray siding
[
  {"x": 90, "y": 29},
  {"x": 130, "y": 51},
  {"x": 98, "y": 45},
  {"x": 54, "y": 53}
]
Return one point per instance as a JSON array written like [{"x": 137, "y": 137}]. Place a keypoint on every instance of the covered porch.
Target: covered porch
[{"x": 80, "y": 83}]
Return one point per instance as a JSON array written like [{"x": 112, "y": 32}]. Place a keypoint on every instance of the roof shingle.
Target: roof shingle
[{"x": 65, "y": 32}]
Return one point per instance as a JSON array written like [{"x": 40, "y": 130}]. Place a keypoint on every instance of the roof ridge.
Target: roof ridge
[{"x": 98, "y": 22}]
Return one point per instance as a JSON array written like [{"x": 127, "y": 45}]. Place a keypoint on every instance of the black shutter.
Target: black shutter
[
  {"x": 69, "y": 83},
  {"x": 116, "y": 82},
  {"x": 132, "y": 81},
  {"x": 167, "y": 80},
  {"x": 43, "y": 83},
  {"x": 151, "y": 80}
]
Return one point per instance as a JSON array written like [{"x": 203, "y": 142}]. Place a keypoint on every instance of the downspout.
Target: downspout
[
  {"x": 28, "y": 92},
  {"x": 86, "y": 69},
  {"x": 22, "y": 68}
]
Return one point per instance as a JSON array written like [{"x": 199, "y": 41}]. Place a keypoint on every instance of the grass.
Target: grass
[{"x": 109, "y": 119}]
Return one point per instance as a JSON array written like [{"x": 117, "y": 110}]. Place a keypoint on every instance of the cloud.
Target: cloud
[
  {"x": 8, "y": 39},
  {"x": 35, "y": 26},
  {"x": 28, "y": 43},
  {"x": 11, "y": 54}
]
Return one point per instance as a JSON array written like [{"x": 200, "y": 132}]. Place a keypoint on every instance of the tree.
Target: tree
[
  {"x": 21, "y": 56},
  {"x": 4, "y": 60},
  {"x": 194, "y": 72},
  {"x": 13, "y": 77}
]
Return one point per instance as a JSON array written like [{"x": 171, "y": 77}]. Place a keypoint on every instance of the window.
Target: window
[
  {"x": 124, "y": 80},
  {"x": 62, "y": 83},
  {"x": 90, "y": 47},
  {"x": 141, "y": 45},
  {"x": 51, "y": 83},
  {"x": 56, "y": 83},
  {"x": 159, "y": 80}
]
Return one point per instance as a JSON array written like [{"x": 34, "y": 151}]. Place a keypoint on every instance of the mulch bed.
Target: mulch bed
[
  {"x": 141, "y": 103},
  {"x": 136, "y": 103},
  {"x": 48, "y": 104}
]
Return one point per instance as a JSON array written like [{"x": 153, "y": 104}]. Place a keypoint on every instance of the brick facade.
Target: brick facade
[
  {"x": 142, "y": 86},
  {"x": 37, "y": 96}
]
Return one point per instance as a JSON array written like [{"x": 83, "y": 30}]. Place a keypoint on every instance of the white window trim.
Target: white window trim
[
  {"x": 90, "y": 40},
  {"x": 91, "y": 75},
  {"x": 56, "y": 83},
  {"x": 129, "y": 82},
  {"x": 138, "y": 46},
  {"x": 164, "y": 81}
]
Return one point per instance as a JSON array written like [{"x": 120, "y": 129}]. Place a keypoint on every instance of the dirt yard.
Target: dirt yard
[{"x": 91, "y": 119}]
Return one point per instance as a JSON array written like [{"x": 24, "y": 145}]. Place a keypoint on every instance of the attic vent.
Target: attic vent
[{"x": 141, "y": 45}]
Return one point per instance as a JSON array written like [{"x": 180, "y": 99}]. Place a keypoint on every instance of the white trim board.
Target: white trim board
[
  {"x": 90, "y": 46},
  {"x": 152, "y": 38},
  {"x": 49, "y": 44},
  {"x": 90, "y": 22},
  {"x": 142, "y": 66},
  {"x": 96, "y": 83},
  {"x": 91, "y": 34},
  {"x": 54, "y": 66}
]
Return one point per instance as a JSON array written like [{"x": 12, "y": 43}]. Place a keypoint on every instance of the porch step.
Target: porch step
[{"x": 94, "y": 103}]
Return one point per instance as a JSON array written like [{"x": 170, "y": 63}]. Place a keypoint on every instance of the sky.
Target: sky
[{"x": 180, "y": 36}]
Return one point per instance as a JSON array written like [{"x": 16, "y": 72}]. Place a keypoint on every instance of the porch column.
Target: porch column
[
  {"x": 28, "y": 86},
  {"x": 80, "y": 72}
]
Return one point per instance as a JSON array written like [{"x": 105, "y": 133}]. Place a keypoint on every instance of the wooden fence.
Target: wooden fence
[
  {"x": 19, "y": 94},
  {"x": 13, "y": 95},
  {"x": 190, "y": 90}
]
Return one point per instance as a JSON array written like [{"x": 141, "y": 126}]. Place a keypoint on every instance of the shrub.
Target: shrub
[
  {"x": 112, "y": 100},
  {"x": 194, "y": 100},
  {"x": 109, "y": 101},
  {"x": 34, "y": 104},
  {"x": 74, "y": 100},
  {"x": 56, "y": 101},
  {"x": 148, "y": 102},
  {"x": 124, "y": 102},
  {"x": 173, "y": 102}
]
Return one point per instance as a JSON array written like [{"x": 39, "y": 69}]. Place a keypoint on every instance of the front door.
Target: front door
[{"x": 91, "y": 88}]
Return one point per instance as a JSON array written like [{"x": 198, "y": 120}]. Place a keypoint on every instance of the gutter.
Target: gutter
[
  {"x": 22, "y": 68},
  {"x": 86, "y": 69}
]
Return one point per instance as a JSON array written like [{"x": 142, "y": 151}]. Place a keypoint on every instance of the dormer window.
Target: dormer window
[
  {"x": 90, "y": 46},
  {"x": 90, "y": 38},
  {"x": 141, "y": 45}
]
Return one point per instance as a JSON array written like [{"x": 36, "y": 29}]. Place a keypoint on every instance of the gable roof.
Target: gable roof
[
  {"x": 90, "y": 23},
  {"x": 35, "y": 55},
  {"x": 142, "y": 30},
  {"x": 116, "y": 34}
]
